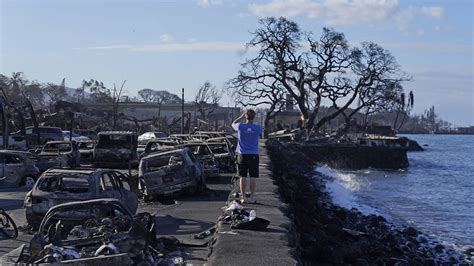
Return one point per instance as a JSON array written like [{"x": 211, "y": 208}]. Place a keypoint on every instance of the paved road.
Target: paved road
[
  {"x": 11, "y": 200},
  {"x": 181, "y": 216}
]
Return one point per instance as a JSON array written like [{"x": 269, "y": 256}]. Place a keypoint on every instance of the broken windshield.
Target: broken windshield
[
  {"x": 115, "y": 141},
  {"x": 218, "y": 148},
  {"x": 85, "y": 145},
  {"x": 159, "y": 162}
]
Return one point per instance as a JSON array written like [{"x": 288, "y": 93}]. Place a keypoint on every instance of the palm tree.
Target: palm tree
[{"x": 404, "y": 108}]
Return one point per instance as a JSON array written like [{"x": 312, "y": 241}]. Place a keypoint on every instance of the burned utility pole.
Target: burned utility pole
[{"x": 182, "y": 111}]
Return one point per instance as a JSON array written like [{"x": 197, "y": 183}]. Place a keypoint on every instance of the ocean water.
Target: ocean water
[{"x": 435, "y": 194}]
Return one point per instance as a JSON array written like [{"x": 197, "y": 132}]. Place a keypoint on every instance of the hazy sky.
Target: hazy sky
[{"x": 174, "y": 44}]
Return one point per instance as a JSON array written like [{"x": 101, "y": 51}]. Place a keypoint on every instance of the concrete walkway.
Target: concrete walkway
[{"x": 270, "y": 247}]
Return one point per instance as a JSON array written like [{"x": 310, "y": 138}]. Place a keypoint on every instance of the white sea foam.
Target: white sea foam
[{"x": 341, "y": 186}]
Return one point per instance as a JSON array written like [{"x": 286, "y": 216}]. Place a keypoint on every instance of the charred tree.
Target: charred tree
[{"x": 329, "y": 72}]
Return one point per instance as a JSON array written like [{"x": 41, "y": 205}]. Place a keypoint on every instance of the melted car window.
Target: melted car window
[
  {"x": 218, "y": 148},
  {"x": 71, "y": 184},
  {"x": 157, "y": 163},
  {"x": 12, "y": 159}
]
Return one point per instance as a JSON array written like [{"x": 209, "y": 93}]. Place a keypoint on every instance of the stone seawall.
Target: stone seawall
[{"x": 354, "y": 157}]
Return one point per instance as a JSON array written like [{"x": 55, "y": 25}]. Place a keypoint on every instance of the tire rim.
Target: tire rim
[{"x": 29, "y": 182}]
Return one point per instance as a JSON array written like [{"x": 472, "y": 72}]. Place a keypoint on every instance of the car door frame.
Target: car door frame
[
  {"x": 114, "y": 193},
  {"x": 129, "y": 197},
  {"x": 16, "y": 168}
]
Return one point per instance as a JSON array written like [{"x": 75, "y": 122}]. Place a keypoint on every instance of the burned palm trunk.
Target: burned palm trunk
[
  {"x": 4, "y": 121},
  {"x": 33, "y": 119}
]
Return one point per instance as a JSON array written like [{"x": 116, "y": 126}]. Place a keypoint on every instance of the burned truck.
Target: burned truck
[
  {"x": 170, "y": 172},
  {"x": 57, "y": 186},
  {"x": 116, "y": 149},
  {"x": 61, "y": 153}
]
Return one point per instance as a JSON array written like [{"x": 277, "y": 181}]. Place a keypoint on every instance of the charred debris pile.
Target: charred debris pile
[
  {"x": 96, "y": 231},
  {"x": 327, "y": 233}
]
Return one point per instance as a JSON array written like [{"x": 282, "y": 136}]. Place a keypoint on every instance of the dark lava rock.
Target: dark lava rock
[
  {"x": 334, "y": 230},
  {"x": 397, "y": 262},
  {"x": 469, "y": 251},
  {"x": 405, "y": 248},
  {"x": 429, "y": 262},
  {"x": 353, "y": 253},
  {"x": 439, "y": 248},
  {"x": 341, "y": 214},
  {"x": 422, "y": 239},
  {"x": 361, "y": 262},
  {"x": 390, "y": 239},
  {"x": 410, "y": 231}
]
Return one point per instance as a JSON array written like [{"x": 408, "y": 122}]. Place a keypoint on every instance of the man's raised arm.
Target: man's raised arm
[{"x": 234, "y": 123}]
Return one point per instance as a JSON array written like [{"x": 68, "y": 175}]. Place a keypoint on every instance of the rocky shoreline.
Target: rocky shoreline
[{"x": 329, "y": 234}]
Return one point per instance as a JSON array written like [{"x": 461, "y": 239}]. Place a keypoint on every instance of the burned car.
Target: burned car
[
  {"x": 115, "y": 149},
  {"x": 93, "y": 231},
  {"x": 205, "y": 156},
  {"x": 169, "y": 172},
  {"x": 57, "y": 186},
  {"x": 147, "y": 136},
  {"x": 86, "y": 149},
  {"x": 211, "y": 134},
  {"x": 42, "y": 163},
  {"x": 17, "y": 169},
  {"x": 46, "y": 134},
  {"x": 181, "y": 138},
  {"x": 154, "y": 146},
  {"x": 223, "y": 153},
  {"x": 61, "y": 153}
]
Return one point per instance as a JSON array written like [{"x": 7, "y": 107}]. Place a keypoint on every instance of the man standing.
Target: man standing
[{"x": 247, "y": 153}]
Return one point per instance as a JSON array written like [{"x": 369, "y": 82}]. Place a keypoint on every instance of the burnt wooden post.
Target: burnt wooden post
[
  {"x": 71, "y": 127},
  {"x": 182, "y": 111}
]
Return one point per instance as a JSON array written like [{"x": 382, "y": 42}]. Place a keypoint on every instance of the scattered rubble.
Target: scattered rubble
[{"x": 239, "y": 218}]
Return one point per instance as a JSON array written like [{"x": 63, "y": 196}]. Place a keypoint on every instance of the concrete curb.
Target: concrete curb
[{"x": 245, "y": 247}]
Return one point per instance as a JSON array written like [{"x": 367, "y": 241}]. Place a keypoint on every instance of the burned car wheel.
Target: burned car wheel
[{"x": 28, "y": 181}]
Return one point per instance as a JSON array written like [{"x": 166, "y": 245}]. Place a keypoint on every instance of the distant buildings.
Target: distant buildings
[
  {"x": 165, "y": 116},
  {"x": 465, "y": 130}
]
